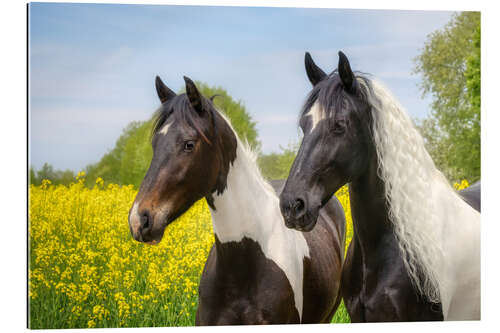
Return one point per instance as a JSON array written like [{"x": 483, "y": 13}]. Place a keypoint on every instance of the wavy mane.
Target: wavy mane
[{"x": 409, "y": 174}]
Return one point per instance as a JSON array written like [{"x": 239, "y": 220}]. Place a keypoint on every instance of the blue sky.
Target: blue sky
[{"x": 92, "y": 67}]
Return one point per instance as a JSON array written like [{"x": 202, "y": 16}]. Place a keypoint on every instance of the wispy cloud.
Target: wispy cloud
[{"x": 92, "y": 67}]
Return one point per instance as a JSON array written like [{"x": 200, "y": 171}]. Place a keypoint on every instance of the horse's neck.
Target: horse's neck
[
  {"x": 369, "y": 209},
  {"x": 248, "y": 207},
  {"x": 247, "y": 221}
]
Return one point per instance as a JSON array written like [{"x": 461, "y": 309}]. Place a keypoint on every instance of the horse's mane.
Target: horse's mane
[
  {"x": 249, "y": 157},
  {"x": 409, "y": 174},
  {"x": 407, "y": 170}
]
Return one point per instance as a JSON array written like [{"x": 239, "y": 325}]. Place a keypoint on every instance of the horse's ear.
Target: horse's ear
[
  {"x": 314, "y": 73},
  {"x": 193, "y": 95},
  {"x": 345, "y": 73},
  {"x": 164, "y": 93}
]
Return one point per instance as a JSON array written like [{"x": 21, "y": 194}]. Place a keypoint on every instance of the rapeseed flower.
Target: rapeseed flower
[{"x": 85, "y": 270}]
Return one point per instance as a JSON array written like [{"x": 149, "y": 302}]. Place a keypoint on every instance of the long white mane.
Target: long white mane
[{"x": 409, "y": 175}]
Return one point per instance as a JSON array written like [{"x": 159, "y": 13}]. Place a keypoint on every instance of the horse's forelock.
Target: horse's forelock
[
  {"x": 332, "y": 97},
  {"x": 181, "y": 110}
]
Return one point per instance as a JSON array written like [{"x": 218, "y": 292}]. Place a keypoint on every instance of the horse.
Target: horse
[
  {"x": 472, "y": 195},
  {"x": 415, "y": 254},
  {"x": 258, "y": 271}
]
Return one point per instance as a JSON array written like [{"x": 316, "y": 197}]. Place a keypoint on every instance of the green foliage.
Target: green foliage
[
  {"x": 437, "y": 145},
  {"x": 129, "y": 160},
  {"x": 277, "y": 165},
  {"x": 119, "y": 166},
  {"x": 32, "y": 177},
  {"x": 240, "y": 119},
  {"x": 137, "y": 155},
  {"x": 473, "y": 73},
  {"x": 55, "y": 176},
  {"x": 450, "y": 68},
  {"x": 46, "y": 172}
]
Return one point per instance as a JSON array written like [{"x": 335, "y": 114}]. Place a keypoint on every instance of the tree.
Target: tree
[
  {"x": 46, "y": 172},
  {"x": 437, "y": 146},
  {"x": 129, "y": 160},
  {"x": 277, "y": 165},
  {"x": 64, "y": 177},
  {"x": 240, "y": 119},
  {"x": 473, "y": 73},
  {"x": 55, "y": 176},
  {"x": 32, "y": 177},
  {"x": 137, "y": 155},
  {"x": 448, "y": 58},
  {"x": 110, "y": 164}
]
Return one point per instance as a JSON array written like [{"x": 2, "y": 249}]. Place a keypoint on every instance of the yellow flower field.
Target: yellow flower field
[{"x": 86, "y": 270}]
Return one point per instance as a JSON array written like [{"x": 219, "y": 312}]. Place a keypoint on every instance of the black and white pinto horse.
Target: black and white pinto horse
[
  {"x": 258, "y": 271},
  {"x": 415, "y": 254}
]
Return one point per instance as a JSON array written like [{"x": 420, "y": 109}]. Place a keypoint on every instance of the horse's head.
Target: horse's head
[
  {"x": 335, "y": 121},
  {"x": 192, "y": 149}
]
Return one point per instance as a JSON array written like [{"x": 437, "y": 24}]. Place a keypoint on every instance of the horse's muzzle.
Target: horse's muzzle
[{"x": 296, "y": 213}]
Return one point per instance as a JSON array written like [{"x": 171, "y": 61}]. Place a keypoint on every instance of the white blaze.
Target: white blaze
[
  {"x": 134, "y": 219},
  {"x": 317, "y": 113},
  {"x": 165, "y": 128}
]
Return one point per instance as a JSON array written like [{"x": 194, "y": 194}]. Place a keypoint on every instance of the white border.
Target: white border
[{"x": 13, "y": 131}]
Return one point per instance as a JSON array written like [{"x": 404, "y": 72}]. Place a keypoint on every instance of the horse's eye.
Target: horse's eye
[
  {"x": 339, "y": 127},
  {"x": 188, "y": 146}
]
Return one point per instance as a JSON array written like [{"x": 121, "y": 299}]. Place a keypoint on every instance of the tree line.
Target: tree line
[{"x": 450, "y": 67}]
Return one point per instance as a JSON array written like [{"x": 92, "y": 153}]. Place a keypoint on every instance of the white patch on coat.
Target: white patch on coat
[
  {"x": 134, "y": 218},
  {"x": 249, "y": 207},
  {"x": 165, "y": 128},
  {"x": 317, "y": 114},
  {"x": 460, "y": 289}
]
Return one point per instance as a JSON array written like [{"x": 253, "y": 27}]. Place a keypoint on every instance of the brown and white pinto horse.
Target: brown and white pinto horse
[{"x": 258, "y": 271}]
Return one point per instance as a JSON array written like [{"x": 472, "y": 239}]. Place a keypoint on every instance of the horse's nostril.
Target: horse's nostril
[
  {"x": 145, "y": 220},
  {"x": 298, "y": 205}
]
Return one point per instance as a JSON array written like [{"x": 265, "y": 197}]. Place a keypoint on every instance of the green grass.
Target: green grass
[{"x": 341, "y": 316}]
